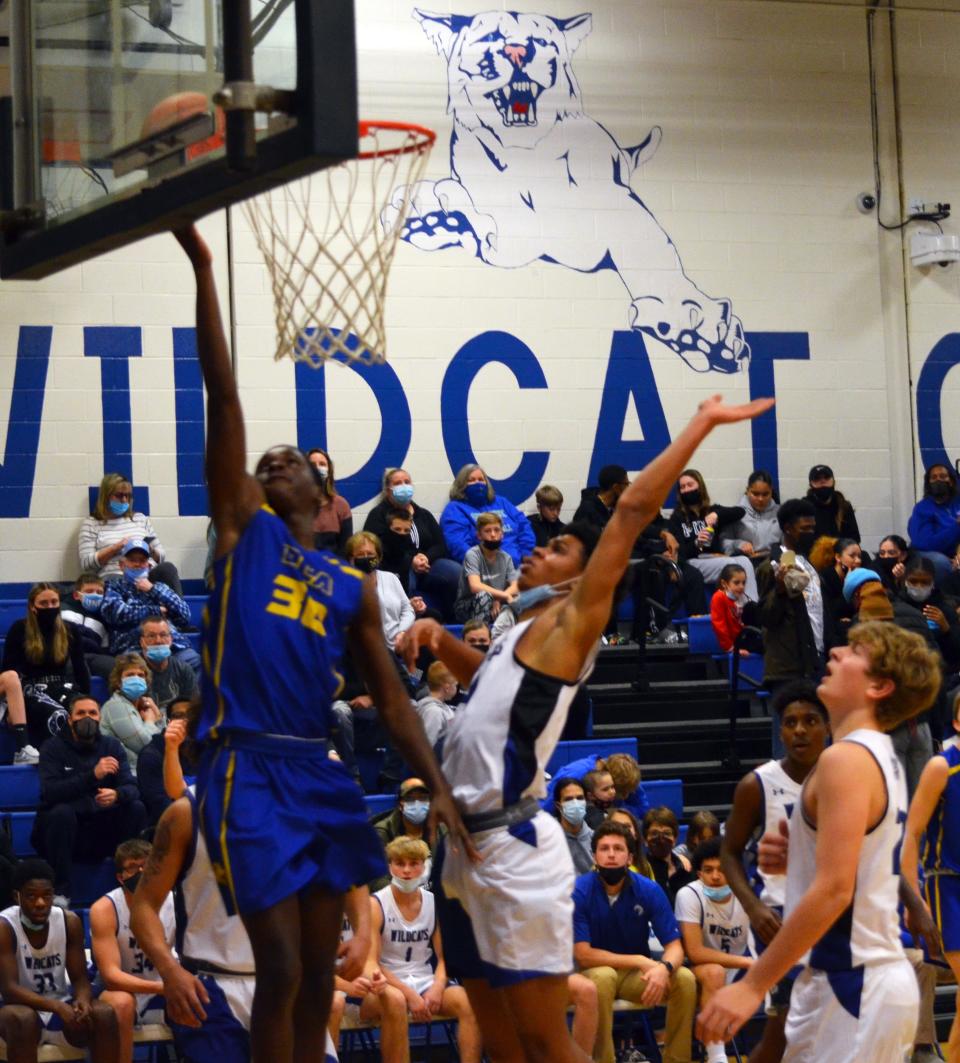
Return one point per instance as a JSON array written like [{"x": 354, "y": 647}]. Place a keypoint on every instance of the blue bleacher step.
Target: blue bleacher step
[{"x": 19, "y": 787}]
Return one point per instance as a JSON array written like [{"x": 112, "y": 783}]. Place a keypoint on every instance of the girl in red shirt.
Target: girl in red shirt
[{"x": 726, "y": 607}]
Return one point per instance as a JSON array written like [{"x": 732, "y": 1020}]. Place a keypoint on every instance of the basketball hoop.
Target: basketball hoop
[{"x": 328, "y": 252}]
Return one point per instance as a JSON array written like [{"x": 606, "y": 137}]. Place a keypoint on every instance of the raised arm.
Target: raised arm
[{"x": 234, "y": 495}]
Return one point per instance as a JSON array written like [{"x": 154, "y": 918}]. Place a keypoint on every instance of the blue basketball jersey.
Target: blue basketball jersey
[
  {"x": 274, "y": 633},
  {"x": 941, "y": 847}
]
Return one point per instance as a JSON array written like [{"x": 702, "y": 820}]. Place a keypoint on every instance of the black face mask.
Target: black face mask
[
  {"x": 822, "y": 494},
  {"x": 805, "y": 541},
  {"x": 47, "y": 619},
  {"x": 690, "y": 498},
  {"x": 612, "y": 875},
  {"x": 86, "y": 730},
  {"x": 939, "y": 489},
  {"x": 366, "y": 564},
  {"x": 131, "y": 882},
  {"x": 885, "y": 564},
  {"x": 660, "y": 848}
]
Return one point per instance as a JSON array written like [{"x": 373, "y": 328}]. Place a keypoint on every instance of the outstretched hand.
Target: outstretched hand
[
  {"x": 421, "y": 633},
  {"x": 717, "y": 412},
  {"x": 195, "y": 246}
]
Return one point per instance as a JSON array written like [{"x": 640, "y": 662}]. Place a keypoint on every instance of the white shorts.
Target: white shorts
[
  {"x": 875, "y": 1022},
  {"x": 510, "y": 917},
  {"x": 150, "y": 1008}
]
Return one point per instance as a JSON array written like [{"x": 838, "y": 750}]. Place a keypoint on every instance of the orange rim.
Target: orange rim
[{"x": 425, "y": 138}]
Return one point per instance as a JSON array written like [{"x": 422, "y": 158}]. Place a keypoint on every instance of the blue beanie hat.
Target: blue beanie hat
[{"x": 856, "y": 578}]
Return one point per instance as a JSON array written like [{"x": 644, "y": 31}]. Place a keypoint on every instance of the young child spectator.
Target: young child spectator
[
  {"x": 727, "y": 608},
  {"x": 407, "y": 951},
  {"x": 489, "y": 576},
  {"x": 82, "y": 609},
  {"x": 129, "y": 982},
  {"x": 130, "y": 715},
  {"x": 47, "y": 654},
  {"x": 546, "y": 522},
  {"x": 398, "y": 548},
  {"x": 129, "y": 601},
  {"x": 703, "y": 826},
  {"x": 601, "y": 792},
  {"x": 715, "y": 930},
  {"x": 625, "y": 773},
  {"x": 570, "y": 805},
  {"x": 436, "y": 710},
  {"x": 47, "y": 998},
  {"x": 660, "y": 834}
]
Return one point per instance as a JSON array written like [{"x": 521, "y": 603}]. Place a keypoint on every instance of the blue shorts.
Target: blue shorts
[
  {"x": 942, "y": 894},
  {"x": 221, "y": 1035},
  {"x": 279, "y": 816}
]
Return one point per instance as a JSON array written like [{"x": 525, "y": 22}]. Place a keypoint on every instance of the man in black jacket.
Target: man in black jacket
[{"x": 89, "y": 801}]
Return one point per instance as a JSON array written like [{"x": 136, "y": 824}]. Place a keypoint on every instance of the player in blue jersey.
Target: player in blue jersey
[
  {"x": 932, "y": 838},
  {"x": 285, "y": 826}
]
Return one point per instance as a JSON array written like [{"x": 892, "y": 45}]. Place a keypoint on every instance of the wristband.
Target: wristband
[{"x": 669, "y": 966}]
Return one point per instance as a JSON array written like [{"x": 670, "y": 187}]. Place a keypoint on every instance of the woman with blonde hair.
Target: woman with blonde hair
[
  {"x": 111, "y": 525},
  {"x": 47, "y": 654}
]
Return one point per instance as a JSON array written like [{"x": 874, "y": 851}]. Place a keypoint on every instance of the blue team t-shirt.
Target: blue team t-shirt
[{"x": 274, "y": 634}]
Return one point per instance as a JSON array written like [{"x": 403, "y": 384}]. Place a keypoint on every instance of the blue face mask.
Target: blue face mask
[
  {"x": 416, "y": 811},
  {"x": 574, "y": 811},
  {"x": 158, "y": 653},
  {"x": 476, "y": 494},
  {"x": 91, "y": 602},
  {"x": 402, "y": 494},
  {"x": 717, "y": 893},
  {"x": 118, "y": 508},
  {"x": 133, "y": 574},
  {"x": 535, "y": 595},
  {"x": 133, "y": 686}
]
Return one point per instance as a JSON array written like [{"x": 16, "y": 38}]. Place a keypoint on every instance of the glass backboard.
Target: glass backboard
[{"x": 113, "y": 133}]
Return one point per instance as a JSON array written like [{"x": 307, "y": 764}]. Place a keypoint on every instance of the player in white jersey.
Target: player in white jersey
[
  {"x": 130, "y": 982},
  {"x": 47, "y": 999},
  {"x": 856, "y": 999},
  {"x": 209, "y": 991},
  {"x": 715, "y": 930},
  {"x": 507, "y": 919},
  {"x": 407, "y": 955},
  {"x": 761, "y": 800}
]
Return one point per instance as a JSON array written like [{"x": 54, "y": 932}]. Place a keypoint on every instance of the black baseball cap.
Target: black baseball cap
[{"x": 820, "y": 472}]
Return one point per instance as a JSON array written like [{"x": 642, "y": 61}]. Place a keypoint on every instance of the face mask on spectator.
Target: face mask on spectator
[
  {"x": 690, "y": 498},
  {"x": 939, "y": 489},
  {"x": 133, "y": 574},
  {"x": 660, "y": 846},
  {"x": 732, "y": 595},
  {"x": 86, "y": 730},
  {"x": 821, "y": 494},
  {"x": 365, "y": 564},
  {"x": 805, "y": 541},
  {"x": 157, "y": 653},
  {"x": 47, "y": 618},
  {"x": 476, "y": 494},
  {"x": 91, "y": 602},
  {"x": 322, "y": 471},
  {"x": 717, "y": 893},
  {"x": 133, "y": 686},
  {"x": 919, "y": 592},
  {"x": 574, "y": 811},
  {"x": 118, "y": 508},
  {"x": 416, "y": 811},
  {"x": 402, "y": 494},
  {"x": 612, "y": 875},
  {"x": 407, "y": 885},
  {"x": 885, "y": 564}
]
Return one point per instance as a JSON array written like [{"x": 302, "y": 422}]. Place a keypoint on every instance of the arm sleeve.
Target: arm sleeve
[
  {"x": 407, "y": 615},
  {"x": 511, "y": 571},
  {"x": 927, "y": 533},
  {"x": 471, "y": 562},
  {"x": 458, "y": 530},
  {"x": 376, "y": 521},
  {"x": 116, "y": 611},
  {"x": 87, "y": 545},
  {"x": 851, "y": 530}
]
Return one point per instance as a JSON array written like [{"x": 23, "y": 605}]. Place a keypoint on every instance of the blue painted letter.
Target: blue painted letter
[
  {"x": 944, "y": 356},
  {"x": 23, "y": 428},
  {"x": 767, "y": 348},
  {"x": 188, "y": 403}
]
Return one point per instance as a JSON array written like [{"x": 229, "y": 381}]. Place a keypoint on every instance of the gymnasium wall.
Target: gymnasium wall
[{"x": 756, "y": 120}]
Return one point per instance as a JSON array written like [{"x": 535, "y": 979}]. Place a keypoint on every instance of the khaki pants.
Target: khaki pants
[{"x": 629, "y": 985}]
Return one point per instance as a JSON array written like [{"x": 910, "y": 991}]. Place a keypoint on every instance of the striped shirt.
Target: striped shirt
[{"x": 97, "y": 534}]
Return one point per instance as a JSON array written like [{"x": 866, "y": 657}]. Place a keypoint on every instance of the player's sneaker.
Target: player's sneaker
[{"x": 27, "y": 755}]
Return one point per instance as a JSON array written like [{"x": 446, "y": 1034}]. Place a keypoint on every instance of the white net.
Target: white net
[{"x": 328, "y": 241}]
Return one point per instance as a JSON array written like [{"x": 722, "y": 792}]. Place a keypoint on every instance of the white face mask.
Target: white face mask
[
  {"x": 919, "y": 593},
  {"x": 407, "y": 885}
]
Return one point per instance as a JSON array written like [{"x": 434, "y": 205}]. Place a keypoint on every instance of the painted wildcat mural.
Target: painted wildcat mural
[{"x": 534, "y": 178}]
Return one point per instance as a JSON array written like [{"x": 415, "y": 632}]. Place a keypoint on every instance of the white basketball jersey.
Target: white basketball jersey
[
  {"x": 43, "y": 970},
  {"x": 868, "y": 931},
  {"x": 505, "y": 732},
  {"x": 205, "y": 933},
  {"x": 133, "y": 960},
  {"x": 780, "y": 794},
  {"x": 725, "y": 925},
  {"x": 405, "y": 947}
]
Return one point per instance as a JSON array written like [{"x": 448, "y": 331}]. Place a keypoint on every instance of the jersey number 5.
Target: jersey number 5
[{"x": 290, "y": 600}]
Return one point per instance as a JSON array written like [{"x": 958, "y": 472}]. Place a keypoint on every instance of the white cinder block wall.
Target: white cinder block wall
[{"x": 764, "y": 109}]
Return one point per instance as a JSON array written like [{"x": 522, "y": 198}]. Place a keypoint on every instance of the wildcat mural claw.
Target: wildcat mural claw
[{"x": 528, "y": 165}]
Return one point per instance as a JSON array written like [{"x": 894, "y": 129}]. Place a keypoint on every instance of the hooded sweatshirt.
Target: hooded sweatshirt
[{"x": 759, "y": 528}]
